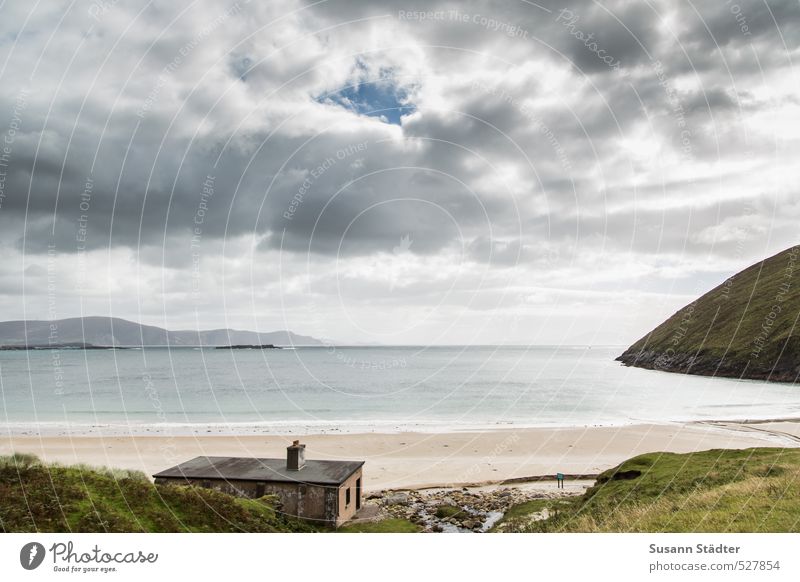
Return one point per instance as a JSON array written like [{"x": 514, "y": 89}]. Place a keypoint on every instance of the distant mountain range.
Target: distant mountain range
[
  {"x": 747, "y": 327},
  {"x": 113, "y": 331}
]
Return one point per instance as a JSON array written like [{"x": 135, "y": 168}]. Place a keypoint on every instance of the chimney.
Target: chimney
[{"x": 295, "y": 456}]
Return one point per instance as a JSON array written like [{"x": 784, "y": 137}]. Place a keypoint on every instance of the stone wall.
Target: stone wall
[{"x": 314, "y": 503}]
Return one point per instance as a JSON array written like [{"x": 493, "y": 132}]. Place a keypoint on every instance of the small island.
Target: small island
[{"x": 249, "y": 347}]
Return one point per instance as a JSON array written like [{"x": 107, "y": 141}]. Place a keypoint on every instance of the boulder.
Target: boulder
[{"x": 399, "y": 498}]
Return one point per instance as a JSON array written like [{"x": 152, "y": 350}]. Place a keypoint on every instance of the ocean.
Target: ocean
[{"x": 358, "y": 389}]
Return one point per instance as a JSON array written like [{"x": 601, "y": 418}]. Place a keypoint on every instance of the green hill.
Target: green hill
[
  {"x": 35, "y": 497},
  {"x": 744, "y": 328},
  {"x": 751, "y": 490}
]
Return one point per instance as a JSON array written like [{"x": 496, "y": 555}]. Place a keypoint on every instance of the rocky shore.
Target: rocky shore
[
  {"x": 783, "y": 369},
  {"x": 462, "y": 510}
]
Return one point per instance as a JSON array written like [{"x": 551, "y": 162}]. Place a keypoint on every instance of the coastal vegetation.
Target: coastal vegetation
[
  {"x": 750, "y": 490},
  {"x": 447, "y": 510},
  {"x": 39, "y": 497},
  {"x": 745, "y": 327},
  {"x": 388, "y": 525}
]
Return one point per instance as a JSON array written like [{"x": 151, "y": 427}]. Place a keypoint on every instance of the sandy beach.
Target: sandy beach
[{"x": 414, "y": 460}]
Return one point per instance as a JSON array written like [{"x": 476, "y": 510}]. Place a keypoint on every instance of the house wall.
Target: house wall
[
  {"x": 304, "y": 500},
  {"x": 347, "y": 511},
  {"x": 316, "y": 503}
]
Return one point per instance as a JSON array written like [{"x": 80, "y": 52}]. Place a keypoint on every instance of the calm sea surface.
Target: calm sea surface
[{"x": 352, "y": 389}]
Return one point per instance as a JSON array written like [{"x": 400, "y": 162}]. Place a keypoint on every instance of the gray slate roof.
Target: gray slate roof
[{"x": 253, "y": 469}]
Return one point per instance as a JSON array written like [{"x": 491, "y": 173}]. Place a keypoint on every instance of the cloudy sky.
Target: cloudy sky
[{"x": 480, "y": 172}]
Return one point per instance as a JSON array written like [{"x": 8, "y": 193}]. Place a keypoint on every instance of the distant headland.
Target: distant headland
[
  {"x": 59, "y": 346},
  {"x": 112, "y": 332}
]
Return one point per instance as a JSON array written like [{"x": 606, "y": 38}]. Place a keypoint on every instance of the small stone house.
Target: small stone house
[{"x": 323, "y": 492}]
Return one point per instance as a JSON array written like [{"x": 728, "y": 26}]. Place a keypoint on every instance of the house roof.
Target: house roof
[{"x": 253, "y": 469}]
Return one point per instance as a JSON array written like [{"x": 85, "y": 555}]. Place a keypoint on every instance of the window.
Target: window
[{"x": 347, "y": 496}]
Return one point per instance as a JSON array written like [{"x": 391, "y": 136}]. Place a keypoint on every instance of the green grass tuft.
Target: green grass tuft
[
  {"x": 751, "y": 490},
  {"x": 19, "y": 460},
  {"x": 390, "y": 525},
  {"x": 446, "y": 510},
  {"x": 518, "y": 516}
]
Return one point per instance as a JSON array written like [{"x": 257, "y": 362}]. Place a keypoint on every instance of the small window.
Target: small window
[{"x": 347, "y": 496}]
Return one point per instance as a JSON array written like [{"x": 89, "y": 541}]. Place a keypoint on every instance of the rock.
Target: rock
[
  {"x": 470, "y": 510},
  {"x": 397, "y": 499}
]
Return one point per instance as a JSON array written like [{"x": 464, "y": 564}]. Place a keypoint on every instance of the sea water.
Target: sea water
[{"x": 358, "y": 389}]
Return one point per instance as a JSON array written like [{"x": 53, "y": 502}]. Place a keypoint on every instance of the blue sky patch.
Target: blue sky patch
[{"x": 381, "y": 97}]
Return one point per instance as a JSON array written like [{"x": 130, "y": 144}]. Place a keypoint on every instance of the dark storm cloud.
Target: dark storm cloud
[
  {"x": 718, "y": 24},
  {"x": 598, "y": 39},
  {"x": 711, "y": 99},
  {"x": 329, "y": 206},
  {"x": 146, "y": 135},
  {"x": 732, "y": 42}
]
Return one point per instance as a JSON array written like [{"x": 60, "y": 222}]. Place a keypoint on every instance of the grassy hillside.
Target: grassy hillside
[
  {"x": 744, "y": 328},
  {"x": 35, "y": 497},
  {"x": 752, "y": 490}
]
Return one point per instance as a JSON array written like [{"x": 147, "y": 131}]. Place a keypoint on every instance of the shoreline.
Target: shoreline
[
  {"x": 415, "y": 460},
  {"x": 294, "y": 428}
]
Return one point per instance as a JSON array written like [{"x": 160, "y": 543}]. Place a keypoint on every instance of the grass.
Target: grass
[
  {"x": 447, "y": 510},
  {"x": 752, "y": 490},
  {"x": 518, "y": 516},
  {"x": 743, "y": 327},
  {"x": 38, "y": 497},
  {"x": 390, "y": 525}
]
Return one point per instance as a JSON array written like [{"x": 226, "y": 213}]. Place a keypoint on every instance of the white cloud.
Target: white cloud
[{"x": 535, "y": 183}]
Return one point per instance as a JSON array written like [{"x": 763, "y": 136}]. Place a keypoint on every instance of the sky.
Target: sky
[{"x": 393, "y": 172}]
